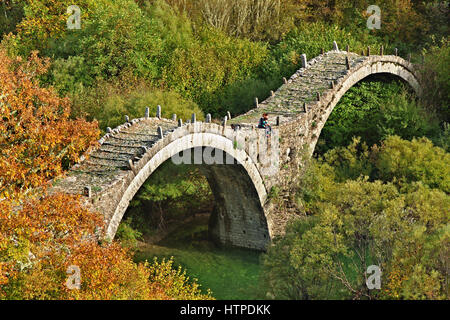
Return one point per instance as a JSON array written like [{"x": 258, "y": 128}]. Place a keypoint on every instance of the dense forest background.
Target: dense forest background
[{"x": 377, "y": 190}]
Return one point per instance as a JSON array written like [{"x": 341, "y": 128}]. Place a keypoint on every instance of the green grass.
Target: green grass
[{"x": 230, "y": 273}]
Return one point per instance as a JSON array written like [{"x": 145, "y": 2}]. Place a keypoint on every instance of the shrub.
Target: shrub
[
  {"x": 69, "y": 76},
  {"x": 373, "y": 110},
  {"x": 201, "y": 71},
  {"x": 416, "y": 160},
  {"x": 114, "y": 36},
  {"x": 395, "y": 160},
  {"x": 37, "y": 137},
  {"x": 110, "y": 102},
  {"x": 174, "y": 282},
  {"x": 355, "y": 222},
  {"x": 127, "y": 235}
]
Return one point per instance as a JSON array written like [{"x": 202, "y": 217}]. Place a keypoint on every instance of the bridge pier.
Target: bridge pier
[{"x": 238, "y": 218}]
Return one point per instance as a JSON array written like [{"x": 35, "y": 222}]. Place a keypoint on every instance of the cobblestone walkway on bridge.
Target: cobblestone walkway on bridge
[
  {"x": 303, "y": 86},
  {"x": 106, "y": 164}
]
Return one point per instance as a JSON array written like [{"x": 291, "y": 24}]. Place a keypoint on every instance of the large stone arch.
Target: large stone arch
[
  {"x": 373, "y": 65},
  {"x": 245, "y": 225}
]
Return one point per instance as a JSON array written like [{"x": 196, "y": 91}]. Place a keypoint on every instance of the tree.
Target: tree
[
  {"x": 37, "y": 138},
  {"x": 257, "y": 20},
  {"x": 394, "y": 160},
  {"x": 40, "y": 240},
  {"x": 404, "y": 161},
  {"x": 400, "y": 225}
]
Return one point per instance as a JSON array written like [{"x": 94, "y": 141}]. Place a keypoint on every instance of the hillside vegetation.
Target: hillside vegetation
[{"x": 376, "y": 192}]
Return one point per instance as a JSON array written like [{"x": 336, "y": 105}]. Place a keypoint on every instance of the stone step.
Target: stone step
[
  {"x": 143, "y": 134},
  {"x": 111, "y": 156},
  {"x": 120, "y": 164},
  {"x": 116, "y": 150},
  {"x": 128, "y": 144},
  {"x": 128, "y": 139}
]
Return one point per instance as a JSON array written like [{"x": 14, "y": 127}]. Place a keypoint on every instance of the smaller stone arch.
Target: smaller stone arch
[{"x": 392, "y": 65}]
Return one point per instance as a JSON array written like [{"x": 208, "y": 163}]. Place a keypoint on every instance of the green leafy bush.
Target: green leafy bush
[
  {"x": 70, "y": 76},
  {"x": 127, "y": 235},
  {"x": 374, "y": 109},
  {"x": 109, "y": 103},
  {"x": 395, "y": 160},
  {"x": 416, "y": 160},
  {"x": 355, "y": 222},
  {"x": 116, "y": 37},
  {"x": 201, "y": 72}
]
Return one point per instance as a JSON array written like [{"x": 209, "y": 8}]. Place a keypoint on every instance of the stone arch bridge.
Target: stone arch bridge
[{"x": 111, "y": 175}]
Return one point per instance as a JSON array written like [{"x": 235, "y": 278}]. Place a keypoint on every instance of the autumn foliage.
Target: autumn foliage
[
  {"x": 39, "y": 241},
  {"x": 37, "y": 138}
]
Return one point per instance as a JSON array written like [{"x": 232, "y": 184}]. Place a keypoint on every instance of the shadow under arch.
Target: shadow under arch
[{"x": 238, "y": 218}]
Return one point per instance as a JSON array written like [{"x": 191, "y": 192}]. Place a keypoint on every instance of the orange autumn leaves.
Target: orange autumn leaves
[
  {"x": 37, "y": 239},
  {"x": 42, "y": 239},
  {"x": 36, "y": 135}
]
